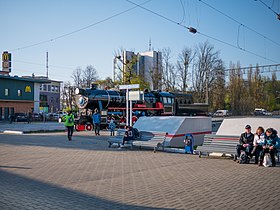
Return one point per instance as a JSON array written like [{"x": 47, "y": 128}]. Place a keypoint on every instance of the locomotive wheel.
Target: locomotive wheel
[
  {"x": 79, "y": 127},
  {"x": 89, "y": 127}
]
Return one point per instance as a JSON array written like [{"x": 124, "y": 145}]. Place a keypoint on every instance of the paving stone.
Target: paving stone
[{"x": 45, "y": 171}]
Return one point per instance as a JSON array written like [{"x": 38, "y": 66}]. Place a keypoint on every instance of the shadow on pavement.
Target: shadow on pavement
[
  {"x": 18, "y": 192},
  {"x": 98, "y": 143}
]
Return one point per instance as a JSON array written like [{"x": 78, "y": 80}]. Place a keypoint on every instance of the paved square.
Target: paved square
[{"x": 45, "y": 171}]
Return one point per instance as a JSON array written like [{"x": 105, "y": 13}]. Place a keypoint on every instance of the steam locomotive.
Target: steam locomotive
[{"x": 154, "y": 103}]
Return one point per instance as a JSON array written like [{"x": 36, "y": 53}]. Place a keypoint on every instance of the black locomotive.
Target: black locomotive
[{"x": 114, "y": 102}]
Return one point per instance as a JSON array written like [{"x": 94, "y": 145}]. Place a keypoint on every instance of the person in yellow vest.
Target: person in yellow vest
[{"x": 69, "y": 124}]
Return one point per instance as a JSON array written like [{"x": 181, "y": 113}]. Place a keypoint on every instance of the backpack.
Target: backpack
[
  {"x": 243, "y": 158},
  {"x": 70, "y": 119},
  {"x": 136, "y": 133}
]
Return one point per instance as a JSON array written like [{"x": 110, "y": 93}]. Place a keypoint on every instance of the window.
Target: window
[
  {"x": 56, "y": 89},
  {"x": 6, "y": 92},
  {"x": 49, "y": 88},
  {"x": 41, "y": 87},
  {"x": 45, "y": 87},
  {"x": 19, "y": 92},
  {"x": 53, "y": 88}
]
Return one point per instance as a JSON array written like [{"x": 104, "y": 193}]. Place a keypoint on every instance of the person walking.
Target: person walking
[
  {"x": 69, "y": 124},
  {"x": 96, "y": 121}
]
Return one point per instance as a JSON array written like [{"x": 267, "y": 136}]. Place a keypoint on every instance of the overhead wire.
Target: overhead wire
[
  {"x": 80, "y": 29},
  {"x": 270, "y": 8},
  {"x": 238, "y": 22},
  {"x": 208, "y": 36},
  {"x": 184, "y": 13},
  {"x": 50, "y": 66}
]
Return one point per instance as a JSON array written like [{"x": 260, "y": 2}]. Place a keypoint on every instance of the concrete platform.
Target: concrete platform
[
  {"x": 46, "y": 171},
  {"x": 236, "y": 126}
]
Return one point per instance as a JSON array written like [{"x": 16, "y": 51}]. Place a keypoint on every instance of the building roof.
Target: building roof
[{"x": 29, "y": 79}]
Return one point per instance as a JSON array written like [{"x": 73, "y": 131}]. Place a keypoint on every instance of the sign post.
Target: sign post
[
  {"x": 127, "y": 88},
  {"x": 6, "y": 61}
]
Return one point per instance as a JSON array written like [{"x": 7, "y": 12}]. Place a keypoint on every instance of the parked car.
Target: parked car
[
  {"x": 36, "y": 117},
  {"x": 61, "y": 113},
  {"x": 261, "y": 112},
  {"x": 20, "y": 117},
  {"x": 221, "y": 113}
]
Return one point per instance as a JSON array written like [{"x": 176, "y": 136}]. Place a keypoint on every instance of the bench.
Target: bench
[
  {"x": 226, "y": 145},
  {"x": 117, "y": 139},
  {"x": 150, "y": 139}
]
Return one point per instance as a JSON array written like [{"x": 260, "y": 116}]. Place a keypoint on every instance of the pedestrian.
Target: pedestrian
[
  {"x": 69, "y": 124},
  {"x": 245, "y": 143},
  {"x": 112, "y": 126},
  {"x": 258, "y": 144},
  {"x": 269, "y": 145},
  {"x": 96, "y": 121}
]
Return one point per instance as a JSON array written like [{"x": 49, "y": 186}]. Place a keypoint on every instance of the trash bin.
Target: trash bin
[{"x": 189, "y": 142}]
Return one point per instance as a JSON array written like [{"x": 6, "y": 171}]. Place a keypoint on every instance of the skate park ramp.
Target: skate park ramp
[
  {"x": 236, "y": 126},
  {"x": 176, "y": 127}
]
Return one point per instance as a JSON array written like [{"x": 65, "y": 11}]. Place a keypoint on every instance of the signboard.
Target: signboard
[
  {"x": 28, "y": 89},
  {"x": 6, "y": 61},
  {"x": 132, "y": 86},
  {"x": 134, "y": 95}
]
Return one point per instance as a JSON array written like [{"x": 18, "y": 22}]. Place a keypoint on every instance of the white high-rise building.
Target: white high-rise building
[{"x": 147, "y": 64}]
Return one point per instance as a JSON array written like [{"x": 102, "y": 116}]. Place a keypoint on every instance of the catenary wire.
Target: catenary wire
[
  {"x": 268, "y": 7},
  {"x": 208, "y": 36},
  {"x": 238, "y": 22},
  {"x": 78, "y": 30}
]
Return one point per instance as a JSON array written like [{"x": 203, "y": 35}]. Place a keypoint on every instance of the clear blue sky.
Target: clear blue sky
[{"x": 28, "y": 22}]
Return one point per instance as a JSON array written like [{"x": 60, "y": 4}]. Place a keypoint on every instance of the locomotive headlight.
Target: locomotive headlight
[
  {"x": 77, "y": 91},
  {"x": 82, "y": 101}
]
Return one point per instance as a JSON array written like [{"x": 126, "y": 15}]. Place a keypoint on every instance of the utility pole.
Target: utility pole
[
  {"x": 47, "y": 64},
  {"x": 114, "y": 70},
  {"x": 207, "y": 88}
]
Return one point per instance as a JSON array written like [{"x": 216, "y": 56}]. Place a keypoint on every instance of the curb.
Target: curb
[
  {"x": 12, "y": 132},
  {"x": 28, "y": 132}
]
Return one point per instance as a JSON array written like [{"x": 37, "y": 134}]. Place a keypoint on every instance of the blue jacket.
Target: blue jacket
[
  {"x": 112, "y": 125},
  {"x": 96, "y": 118},
  {"x": 271, "y": 140}
]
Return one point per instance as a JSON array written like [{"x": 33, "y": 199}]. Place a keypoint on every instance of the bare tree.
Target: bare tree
[
  {"x": 166, "y": 59},
  {"x": 173, "y": 77},
  {"x": 77, "y": 77},
  {"x": 118, "y": 66},
  {"x": 207, "y": 60},
  {"x": 218, "y": 88},
  {"x": 68, "y": 96},
  {"x": 185, "y": 58},
  {"x": 89, "y": 75}
]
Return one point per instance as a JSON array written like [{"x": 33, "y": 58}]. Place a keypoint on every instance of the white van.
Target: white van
[
  {"x": 221, "y": 113},
  {"x": 259, "y": 111}
]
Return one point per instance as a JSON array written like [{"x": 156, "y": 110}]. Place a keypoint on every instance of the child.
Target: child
[{"x": 112, "y": 126}]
